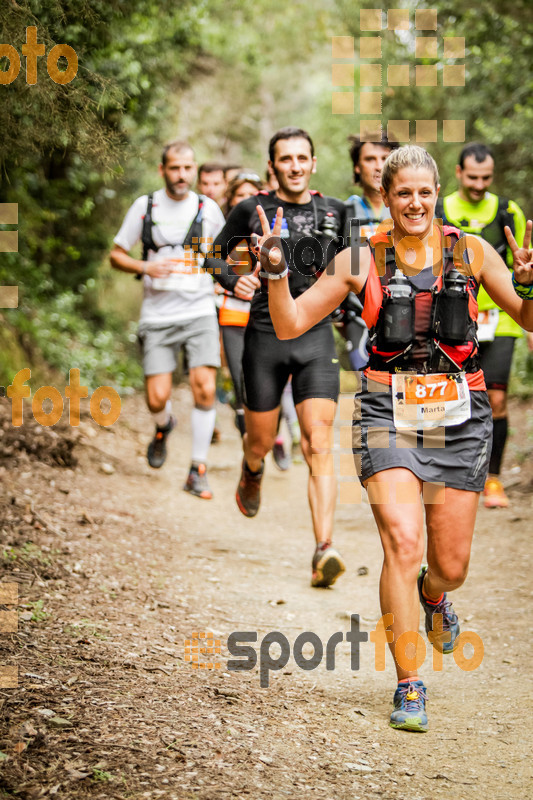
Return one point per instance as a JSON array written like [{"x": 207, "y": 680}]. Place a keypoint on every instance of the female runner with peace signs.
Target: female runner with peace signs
[{"x": 422, "y": 420}]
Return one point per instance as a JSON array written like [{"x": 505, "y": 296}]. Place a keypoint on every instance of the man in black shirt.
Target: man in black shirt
[{"x": 312, "y": 228}]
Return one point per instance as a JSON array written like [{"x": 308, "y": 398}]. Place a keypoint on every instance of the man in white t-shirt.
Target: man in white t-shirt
[{"x": 178, "y": 308}]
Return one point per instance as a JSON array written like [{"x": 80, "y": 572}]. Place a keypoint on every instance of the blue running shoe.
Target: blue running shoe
[
  {"x": 410, "y": 707},
  {"x": 450, "y": 623}
]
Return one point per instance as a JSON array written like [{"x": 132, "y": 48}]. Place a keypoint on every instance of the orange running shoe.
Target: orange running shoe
[{"x": 494, "y": 495}]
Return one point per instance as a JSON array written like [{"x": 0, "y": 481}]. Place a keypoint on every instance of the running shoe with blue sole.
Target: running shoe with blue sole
[
  {"x": 450, "y": 623},
  {"x": 410, "y": 707}
]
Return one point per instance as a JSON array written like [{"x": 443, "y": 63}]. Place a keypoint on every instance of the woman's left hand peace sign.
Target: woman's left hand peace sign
[
  {"x": 269, "y": 247},
  {"x": 522, "y": 256}
]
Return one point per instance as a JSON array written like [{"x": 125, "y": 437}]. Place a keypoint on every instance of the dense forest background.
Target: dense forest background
[{"x": 224, "y": 75}]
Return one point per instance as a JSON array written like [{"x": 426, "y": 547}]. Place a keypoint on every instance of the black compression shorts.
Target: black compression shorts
[
  {"x": 496, "y": 358},
  {"x": 233, "y": 341},
  {"x": 267, "y": 363}
]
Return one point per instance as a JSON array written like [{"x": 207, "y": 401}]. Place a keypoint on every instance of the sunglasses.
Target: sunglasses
[{"x": 247, "y": 176}]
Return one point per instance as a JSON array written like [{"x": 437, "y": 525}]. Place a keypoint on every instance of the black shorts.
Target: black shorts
[
  {"x": 233, "y": 341},
  {"x": 268, "y": 363},
  {"x": 496, "y": 358}
]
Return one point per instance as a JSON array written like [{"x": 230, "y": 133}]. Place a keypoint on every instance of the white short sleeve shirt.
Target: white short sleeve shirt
[{"x": 189, "y": 292}]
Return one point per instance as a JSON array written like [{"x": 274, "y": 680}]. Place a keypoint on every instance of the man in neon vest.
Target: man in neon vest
[{"x": 473, "y": 209}]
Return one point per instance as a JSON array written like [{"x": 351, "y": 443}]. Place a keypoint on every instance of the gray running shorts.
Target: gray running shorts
[{"x": 161, "y": 345}]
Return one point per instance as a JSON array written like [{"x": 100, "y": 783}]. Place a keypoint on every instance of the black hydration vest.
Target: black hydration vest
[
  {"x": 438, "y": 339},
  {"x": 493, "y": 232},
  {"x": 192, "y": 237}
]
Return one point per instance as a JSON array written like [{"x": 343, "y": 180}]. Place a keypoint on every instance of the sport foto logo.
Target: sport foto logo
[
  {"x": 33, "y": 50},
  {"x": 409, "y": 650},
  {"x": 18, "y": 390},
  {"x": 307, "y": 252},
  {"x": 375, "y": 73},
  {"x": 9, "y": 624}
]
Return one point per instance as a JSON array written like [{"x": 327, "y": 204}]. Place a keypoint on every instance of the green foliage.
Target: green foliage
[
  {"x": 38, "y": 614},
  {"x": 61, "y": 144},
  {"x": 521, "y": 384},
  {"x": 496, "y": 100},
  {"x": 65, "y": 339},
  {"x": 268, "y": 63},
  {"x": 225, "y": 74},
  {"x": 100, "y": 775},
  {"x": 61, "y": 147},
  {"x": 28, "y": 554}
]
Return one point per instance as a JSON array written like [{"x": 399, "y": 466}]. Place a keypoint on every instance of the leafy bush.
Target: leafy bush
[
  {"x": 65, "y": 339},
  {"x": 521, "y": 384}
]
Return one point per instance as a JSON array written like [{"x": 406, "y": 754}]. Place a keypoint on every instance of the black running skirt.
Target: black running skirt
[{"x": 462, "y": 463}]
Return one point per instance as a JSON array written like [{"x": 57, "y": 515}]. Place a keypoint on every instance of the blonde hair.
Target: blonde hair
[{"x": 408, "y": 156}]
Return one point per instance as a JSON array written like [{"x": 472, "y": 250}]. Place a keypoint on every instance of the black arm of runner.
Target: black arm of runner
[{"x": 234, "y": 231}]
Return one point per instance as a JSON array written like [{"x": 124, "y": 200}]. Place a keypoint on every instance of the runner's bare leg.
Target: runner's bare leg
[{"x": 316, "y": 418}]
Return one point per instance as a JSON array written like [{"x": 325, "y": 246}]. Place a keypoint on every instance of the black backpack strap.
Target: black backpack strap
[
  {"x": 268, "y": 203},
  {"x": 321, "y": 204},
  {"x": 447, "y": 252},
  {"x": 351, "y": 213},
  {"x": 146, "y": 236},
  {"x": 192, "y": 237},
  {"x": 494, "y": 234},
  {"x": 439, "y": 211},
  {"x": 194, "y": 234},
  {"x": 504, "y": 216}
]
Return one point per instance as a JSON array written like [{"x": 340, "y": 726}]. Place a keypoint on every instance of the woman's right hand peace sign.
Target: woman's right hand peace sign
[{"x": 268, "y": 248}]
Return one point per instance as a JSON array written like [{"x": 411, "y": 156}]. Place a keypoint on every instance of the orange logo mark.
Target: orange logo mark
[{"x": 195, "y": 646}]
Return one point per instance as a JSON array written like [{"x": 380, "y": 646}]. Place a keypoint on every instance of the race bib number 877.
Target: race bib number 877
[{"x": 430, "y": 401}]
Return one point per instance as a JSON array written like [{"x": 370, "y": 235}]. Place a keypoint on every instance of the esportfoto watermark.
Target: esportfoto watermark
[
  {"x": 409, "y": 649},
  {"x": 32, "y": 50},
  {"x": 308, "y": 252},
  {"x": 18, "y": 390},
  {"x": 9, "y": 599},
  {"x": 375, "y": 72}
]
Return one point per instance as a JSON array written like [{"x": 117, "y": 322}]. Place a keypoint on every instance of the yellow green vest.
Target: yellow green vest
[{"x": 472, "y": 218}]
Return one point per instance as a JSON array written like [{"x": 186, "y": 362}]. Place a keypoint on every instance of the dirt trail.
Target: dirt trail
[{"x": 117, "y": 566}]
